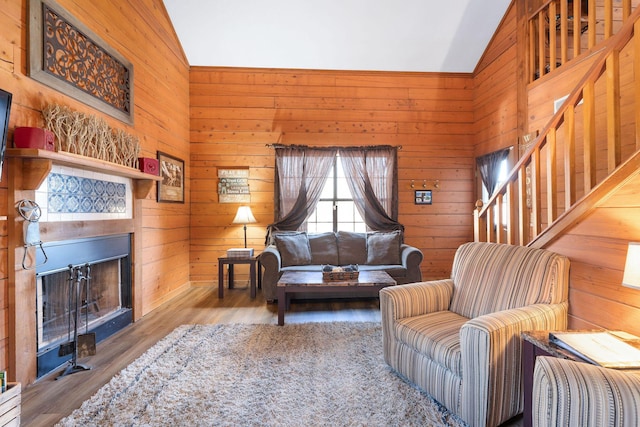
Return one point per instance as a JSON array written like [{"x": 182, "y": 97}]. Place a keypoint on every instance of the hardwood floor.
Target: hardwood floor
[{"x": 48, "y": 400}]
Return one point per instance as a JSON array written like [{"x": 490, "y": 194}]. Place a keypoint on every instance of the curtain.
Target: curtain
[
  {"x": 301, "y": 173},
  {"x": 372, "y": 176},
  {"x": 489, "y": 165}
]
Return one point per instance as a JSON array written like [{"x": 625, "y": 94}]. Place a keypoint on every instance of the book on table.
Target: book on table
[{"x": 608, "y": 349}]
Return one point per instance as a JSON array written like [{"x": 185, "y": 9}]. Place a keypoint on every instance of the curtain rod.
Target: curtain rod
[{"x": 399, "y": 147}]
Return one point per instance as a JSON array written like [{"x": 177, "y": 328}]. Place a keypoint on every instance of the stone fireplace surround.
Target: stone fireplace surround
[{"x": 27, "y": 171}]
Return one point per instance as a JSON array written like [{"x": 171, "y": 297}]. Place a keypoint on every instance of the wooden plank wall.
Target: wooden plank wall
[
  {"x": 495, "y": 98},
  {"x": 235, "y": 112},
  {"x": 140, "y": 31}
]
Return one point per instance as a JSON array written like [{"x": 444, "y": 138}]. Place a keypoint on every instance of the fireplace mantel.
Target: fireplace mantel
[{"x": 37, "y": 164}]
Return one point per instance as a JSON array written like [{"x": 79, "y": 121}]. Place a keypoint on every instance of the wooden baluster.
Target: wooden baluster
[
  {"x": 592, "y": 23},
  {"x": 532, "y": 50},
  {"x": 535, "y": 193},
  {"x": 577, "y": 27},
  {"x": 589, "y": 143},
  {"x": 523, "y": 217},
  {"x": 614, "y": 140},
  {"x": 564, "y": 33},
  {"x": 569, "y": 158},
  {"x": 552, "y": 176},
  {"x": 626, "y": 9},
  {"x": 499, "y": 218},
  {"x": 541, "y": 43},
  {"x": 608, "y": 18},
  {"x": 553, "y": 48},
  {"x": 511, "y": 213}
]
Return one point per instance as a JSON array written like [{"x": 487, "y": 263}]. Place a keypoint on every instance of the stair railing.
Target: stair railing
[
  {"x": 561, "y": 30},
  {"x": 583, "y": 143}
]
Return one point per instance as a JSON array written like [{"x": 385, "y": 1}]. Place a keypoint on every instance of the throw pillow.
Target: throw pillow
[
  {"x": 352, "y": 248},
  {"x": 383, "y": 248},
  {"x": 324, "y": 248},
  {"x": 293, "y": 248}
]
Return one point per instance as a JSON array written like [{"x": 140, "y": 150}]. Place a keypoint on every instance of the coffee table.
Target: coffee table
[{"x": 311, "y": 282}]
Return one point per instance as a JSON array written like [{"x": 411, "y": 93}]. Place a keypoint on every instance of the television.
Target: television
[{"x": 5, "y": 109}]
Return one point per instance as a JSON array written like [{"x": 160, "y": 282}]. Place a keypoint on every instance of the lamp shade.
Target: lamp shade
[
  {"x": 244, "y": 216},
  {"x": 631, "y": 278}
]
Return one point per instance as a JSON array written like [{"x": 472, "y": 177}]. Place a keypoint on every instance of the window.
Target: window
[{"x": 336, "y": 209}]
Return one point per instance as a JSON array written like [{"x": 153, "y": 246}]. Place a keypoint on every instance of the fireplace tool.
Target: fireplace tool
[
  {"x": 83, "y": 344},
  {"x": 31, "y": 212}
]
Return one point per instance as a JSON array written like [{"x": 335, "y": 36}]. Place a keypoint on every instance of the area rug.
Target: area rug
[{"x": 313, "y": 374}]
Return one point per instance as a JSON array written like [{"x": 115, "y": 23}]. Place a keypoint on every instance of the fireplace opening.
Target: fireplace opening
[{"x": 105, "y": 303}]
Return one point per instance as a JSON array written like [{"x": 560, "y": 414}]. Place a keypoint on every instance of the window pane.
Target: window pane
[{"x": 327, "y": 190}]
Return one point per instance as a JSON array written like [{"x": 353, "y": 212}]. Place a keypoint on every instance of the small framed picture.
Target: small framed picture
[
  {"x": 423, "y": 197},
  {"x": 171, "y": 187}
]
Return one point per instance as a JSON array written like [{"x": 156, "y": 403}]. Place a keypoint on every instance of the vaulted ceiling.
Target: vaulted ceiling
[{"x": 376, "y": 35}]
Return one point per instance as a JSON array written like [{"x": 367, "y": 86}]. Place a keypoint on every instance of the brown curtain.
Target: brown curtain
[
  {"x": 372, "y": 176},
  {"x": 301, "y": 173}
]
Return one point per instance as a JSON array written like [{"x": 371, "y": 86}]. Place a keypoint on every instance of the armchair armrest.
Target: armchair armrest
[
  {"x": 415, "y": 299},
  {"x": 492, "y": 351},
  {"x": 575, "y": 393}
]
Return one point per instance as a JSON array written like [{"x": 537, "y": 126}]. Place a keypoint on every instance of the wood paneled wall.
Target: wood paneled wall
[
  {"x": 496, "y": 97},
  {"x": 236, "y": 112},
  {"x": 141, "y": 31}
]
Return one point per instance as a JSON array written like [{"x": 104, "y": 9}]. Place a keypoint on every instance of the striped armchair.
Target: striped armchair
[
  {"x": 578, "y": 394},
  {"x": 459, "y": 339}
]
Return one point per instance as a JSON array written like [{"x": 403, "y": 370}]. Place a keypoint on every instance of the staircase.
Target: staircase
[{"x": 588, "y": 150}]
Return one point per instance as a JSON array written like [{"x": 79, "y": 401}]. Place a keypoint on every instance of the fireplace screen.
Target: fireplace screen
[{"x": 100, "y": 299}]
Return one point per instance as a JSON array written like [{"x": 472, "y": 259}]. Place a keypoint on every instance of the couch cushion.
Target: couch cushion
[
  {"x": 294, "y": 248},
  {"x": 383, "y": 248},
  {"x": 352, "y": 247},
  {"x": 436, "y": 335},
  {"x": 324, "y": 248}
]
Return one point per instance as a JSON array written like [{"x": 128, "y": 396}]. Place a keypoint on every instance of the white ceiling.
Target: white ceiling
[{"x": 376, "y": 35}]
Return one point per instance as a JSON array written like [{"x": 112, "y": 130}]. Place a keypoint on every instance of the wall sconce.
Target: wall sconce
[{"x": 631, "y": 278}]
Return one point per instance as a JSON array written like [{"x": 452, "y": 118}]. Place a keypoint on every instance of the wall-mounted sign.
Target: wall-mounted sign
[{"x": 233, "y": 185}]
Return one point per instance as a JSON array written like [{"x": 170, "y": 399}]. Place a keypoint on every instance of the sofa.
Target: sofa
[
  {"x": 569, "y": 393},
  {"x": 459, "y": 339},
  {"x": 301, "y": 251}
]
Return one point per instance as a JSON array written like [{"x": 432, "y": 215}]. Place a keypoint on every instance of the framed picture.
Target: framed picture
[
  {"x": 423, "y": 197},
  {"x": 171, "y": 187}
]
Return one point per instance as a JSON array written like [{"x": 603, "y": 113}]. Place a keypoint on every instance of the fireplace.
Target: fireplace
[{"x": 104, "y": 306}]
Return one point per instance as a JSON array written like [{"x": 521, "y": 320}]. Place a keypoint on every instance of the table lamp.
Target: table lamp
[
  {"x": 631, "y": 278},
  {"x": 244, "y": 216}
]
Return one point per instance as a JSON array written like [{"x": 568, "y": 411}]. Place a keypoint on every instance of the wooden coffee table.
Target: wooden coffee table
[{"x": 311, "y": 281}]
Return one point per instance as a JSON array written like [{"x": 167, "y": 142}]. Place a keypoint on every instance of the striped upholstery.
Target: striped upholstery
[
  {"x": 568, "y": 393},
  {"x": 459, "y": 338}
]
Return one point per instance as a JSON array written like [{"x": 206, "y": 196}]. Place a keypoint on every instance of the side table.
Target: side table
[{"x": 254, "y": 273}]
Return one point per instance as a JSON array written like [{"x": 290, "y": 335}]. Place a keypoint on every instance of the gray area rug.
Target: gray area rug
[{"x": 313, "y": 374}]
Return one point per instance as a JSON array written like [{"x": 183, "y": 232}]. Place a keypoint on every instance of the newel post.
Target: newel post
[{"x": 479, "y": 223}]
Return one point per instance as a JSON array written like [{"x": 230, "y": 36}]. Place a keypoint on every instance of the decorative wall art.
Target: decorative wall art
[
  {"x": 423, "y": 197},
  {"x": 233, "y": 185},
  {"x": 67, "y": 56},
  {"x": 171, "y": 187}
]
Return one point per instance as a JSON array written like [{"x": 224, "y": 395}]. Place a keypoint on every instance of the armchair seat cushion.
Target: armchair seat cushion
[{"x": 436, "y": 336}]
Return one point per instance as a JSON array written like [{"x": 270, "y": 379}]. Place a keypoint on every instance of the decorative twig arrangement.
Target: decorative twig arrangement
[{"x": 90, "y": 136}]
